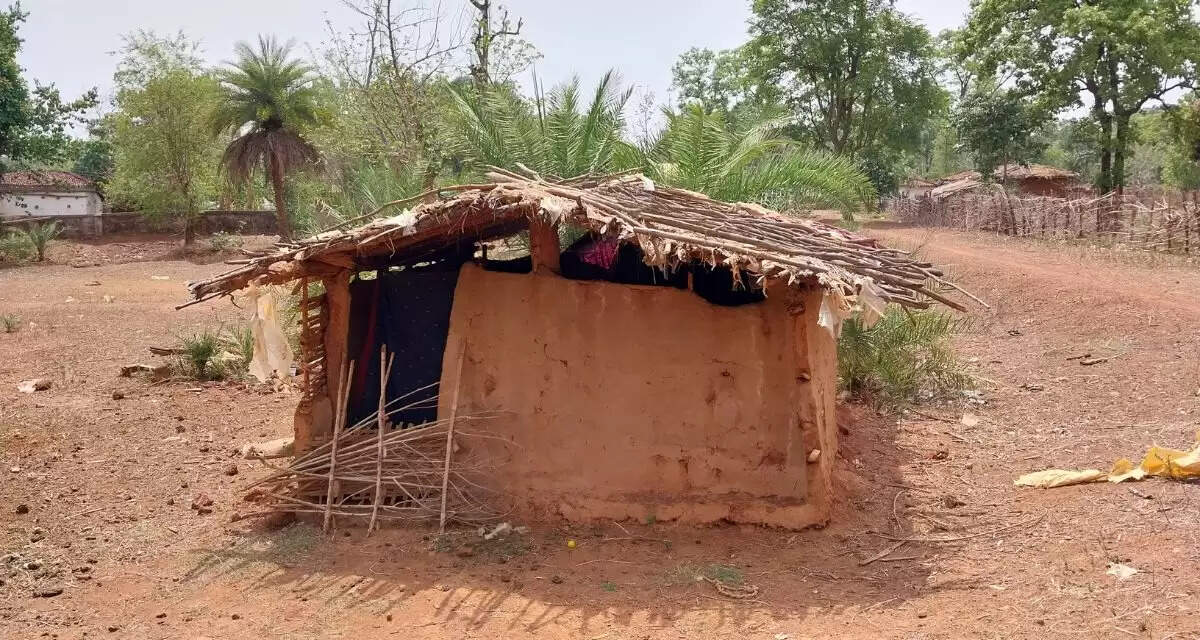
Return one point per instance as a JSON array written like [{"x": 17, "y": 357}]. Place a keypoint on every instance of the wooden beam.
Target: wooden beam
[
  {"x": 337, "y": 332},
  {"x": 543, "y": 246}
]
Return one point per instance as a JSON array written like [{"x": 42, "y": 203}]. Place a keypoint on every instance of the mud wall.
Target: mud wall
[{"x": 632, "y": 402}]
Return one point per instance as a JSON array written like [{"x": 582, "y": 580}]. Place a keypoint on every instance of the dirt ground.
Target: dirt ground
[{"x": 107, "y": 485}]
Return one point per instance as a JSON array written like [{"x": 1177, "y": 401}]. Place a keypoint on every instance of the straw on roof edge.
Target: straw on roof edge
[{"x": 672, "y": 227}]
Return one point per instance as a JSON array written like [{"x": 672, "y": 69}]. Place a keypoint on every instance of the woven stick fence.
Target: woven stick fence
[
  {"x": 374, "y": 471},
  {"x": 1151, "y": 221}
]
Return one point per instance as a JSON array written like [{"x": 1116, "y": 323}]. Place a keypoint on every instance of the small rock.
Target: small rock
[
  {"x": 32, "y": 565},
  {"x": 118, "y": 395},
  {"x": 37, "y": 535},
  {"x": 389, "y": 617},
  {"x": 180, "y": 428},
  {"x": 22, "y": 509},
  {"x": 236, "y": 617},
  {"x": 93, "y": 283},
  {"x": 170, "y": 502},
  {"x": 203, "y": 448},
  {"x": 161, "y": 615},
  {"x": 230, "y": 469},
  {"x": 34, "y": 384},
  {"x": 556, "y": 579},
  {"x": 952, "y": 502},
  {"x": 48, "y": 591},
  {"x": 202, "y": 504},
  {"x": 112, "y": 628}
]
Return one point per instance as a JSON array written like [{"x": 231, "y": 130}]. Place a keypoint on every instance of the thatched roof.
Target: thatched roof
[
  {"x": 672, "y": 227},
  {"x": 1016, "y": 172},
  {"x": 965, "y": 181}
]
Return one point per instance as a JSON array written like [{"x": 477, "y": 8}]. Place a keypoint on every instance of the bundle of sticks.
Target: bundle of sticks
[{"x": 388, "y": 473}]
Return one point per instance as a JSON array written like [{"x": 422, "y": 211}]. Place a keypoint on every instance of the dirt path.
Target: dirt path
[{"x": 108, "y": 483}]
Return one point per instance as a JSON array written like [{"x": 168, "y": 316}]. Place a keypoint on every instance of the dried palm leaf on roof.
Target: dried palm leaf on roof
[{"x": 671, "y": 226}]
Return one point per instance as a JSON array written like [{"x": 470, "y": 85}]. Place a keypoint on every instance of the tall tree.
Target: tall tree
[
  {"x": 858, "y": 74},
  {"x": 1112, "y": 56},
  {"x": 92, "y": 157},
  {"x": 268, "y": 98},
  {"x": 164, "y": 153},
  {"x": 958, "y": 68},
  {"x": 33, "y": 125},
  {"x": 494, "y": 34},
  {"x": 713, "y": 79},
  {"x": 383, "y": 78},
  {"x": 997, "y": 127}
]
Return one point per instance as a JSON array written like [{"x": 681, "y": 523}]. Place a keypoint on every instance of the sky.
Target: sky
[{"x": 71, "y": 43}]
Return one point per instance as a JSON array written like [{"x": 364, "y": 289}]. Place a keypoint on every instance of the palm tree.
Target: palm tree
[
  {"x": 548, "y": 134},
  {"x": 268, "y": 98},
  {"x": 744, "y": 159}
]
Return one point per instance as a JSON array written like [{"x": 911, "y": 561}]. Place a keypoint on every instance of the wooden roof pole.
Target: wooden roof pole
[
  {"x": 544, "y": 249},
  {"x": 337, "y": 331}
]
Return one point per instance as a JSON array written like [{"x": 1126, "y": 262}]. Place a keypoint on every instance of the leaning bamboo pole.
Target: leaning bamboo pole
[
  {"x": 338, "y": 423},
  {"x": 385, "y": 372},
  {"x": 462, "y": 354}
]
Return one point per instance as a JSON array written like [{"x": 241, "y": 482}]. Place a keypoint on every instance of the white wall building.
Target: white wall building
[{"x": 61, "y": 195}]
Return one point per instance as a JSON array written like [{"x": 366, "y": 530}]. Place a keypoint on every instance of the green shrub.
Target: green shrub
[
  {"x": 14, "y": 247},
  {"x": 221, "y": 241},
  {"x": 11, "y": 322},
  {"x": 239, "y": 344},
  {"x": 39, "y": 236},
  {"x": 199, "y": 357},
  {"x": 905, "y": 356},
  {"x": 216, "y": 354}
]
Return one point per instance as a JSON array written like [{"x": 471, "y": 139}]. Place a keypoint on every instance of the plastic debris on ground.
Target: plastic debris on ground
[{"x": 1159, "y": 462}]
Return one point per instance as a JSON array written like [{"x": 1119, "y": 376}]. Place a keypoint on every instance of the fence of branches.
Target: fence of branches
[{"x": 1152, "y": 220}]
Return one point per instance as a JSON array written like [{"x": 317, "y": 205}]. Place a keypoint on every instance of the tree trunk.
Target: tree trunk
[
  {"x": 1104, "y": 182},
  {"x": 482, "y": 43},
  {"x": 282, "y": 221},
  {"x": 1120, "y": 147},
  {"x": 189, "y": 229}
]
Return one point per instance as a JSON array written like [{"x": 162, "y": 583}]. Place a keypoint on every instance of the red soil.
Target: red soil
[{"x": 99, "y": 476}]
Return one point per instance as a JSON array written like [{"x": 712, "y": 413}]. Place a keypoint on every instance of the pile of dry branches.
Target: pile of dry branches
[{"x": 376, "y": 471}]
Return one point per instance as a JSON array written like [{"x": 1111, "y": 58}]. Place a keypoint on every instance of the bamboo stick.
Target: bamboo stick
[
  {"x": 339, "y": 422},
  {"x": 385, "y": 372},
  {"x": 462, "y": 354}
]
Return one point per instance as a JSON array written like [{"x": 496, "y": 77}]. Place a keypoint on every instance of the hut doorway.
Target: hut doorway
[{"x": 408, "y": 310}]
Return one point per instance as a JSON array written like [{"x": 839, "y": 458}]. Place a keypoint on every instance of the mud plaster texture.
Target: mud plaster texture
[{"x": 638, "y": 402}]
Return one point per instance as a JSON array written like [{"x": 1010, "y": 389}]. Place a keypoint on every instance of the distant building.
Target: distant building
[
  {"x": 59, "y": 195},
  {"x": 1027, "y": 180},
  {"x": 917, "y": 187}
]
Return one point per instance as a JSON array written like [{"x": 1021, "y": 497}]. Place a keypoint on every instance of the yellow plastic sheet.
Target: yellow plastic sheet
[
  {"x": 1051, "y": 478},
  {"x": 1159, "y": 462}
]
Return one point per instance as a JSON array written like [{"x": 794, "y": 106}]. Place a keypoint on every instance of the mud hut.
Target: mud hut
[
  {"x": 1026, "y": 180},
  {"x": 655, "y": 354}
]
